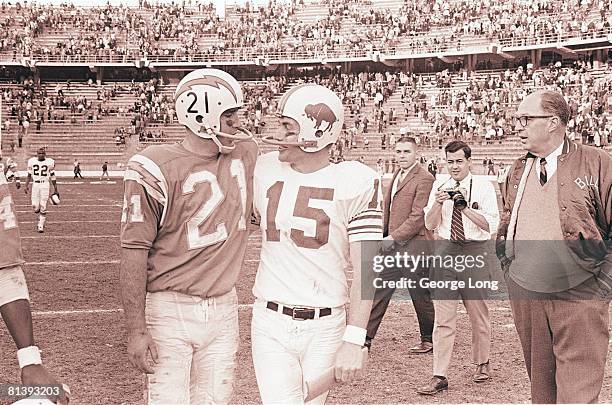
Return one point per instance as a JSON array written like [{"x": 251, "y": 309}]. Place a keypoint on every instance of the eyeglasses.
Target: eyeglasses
[{"x": 524, "y": 119}]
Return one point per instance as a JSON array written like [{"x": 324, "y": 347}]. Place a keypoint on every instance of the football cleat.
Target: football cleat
[
  {"x": 202, "y": 97},
  {"x": 55, "y": 199},
  {"x": 319, "y": 113}
]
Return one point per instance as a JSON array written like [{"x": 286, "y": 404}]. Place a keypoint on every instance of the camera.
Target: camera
[{"x": 458, "y": 198}]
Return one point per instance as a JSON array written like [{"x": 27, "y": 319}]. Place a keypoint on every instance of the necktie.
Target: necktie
[
  {"x": 457, "y": 234},
  {"x": 543, "y": 174},
  {"x": 401, "y": 176}
]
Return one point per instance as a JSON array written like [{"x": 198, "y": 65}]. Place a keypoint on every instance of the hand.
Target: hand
[
  {"x": 442, "y": 196},
  {"x": 17, "y": 185},
  {"x": 350, "y": 361},
  {"x": 387, "y": 244},
  {"x": 36, "y": 374},
  {"x": 139, "y": 344}
]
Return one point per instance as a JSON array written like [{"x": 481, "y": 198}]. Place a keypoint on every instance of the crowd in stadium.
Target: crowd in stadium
[
  {"x": 472, "y": 108},
  {"x": 181, "y": 31}
]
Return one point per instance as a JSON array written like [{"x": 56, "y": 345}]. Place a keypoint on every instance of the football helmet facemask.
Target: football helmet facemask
[
  {"x": 319, "y": 113},
  {"x": 201, "y": 97}
]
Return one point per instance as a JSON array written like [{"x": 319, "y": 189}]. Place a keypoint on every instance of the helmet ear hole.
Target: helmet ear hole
[
  {"x": 319, "y": 133},
  {"x": 199, "y": 119}
]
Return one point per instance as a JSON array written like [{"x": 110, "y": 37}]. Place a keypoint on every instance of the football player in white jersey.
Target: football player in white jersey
[
  {"x": 10, "y": 171},
  {"x": 315, "y": 218},
  {"x": 14, "y": 297},
  {"x": 41, "y": 172},
  {"x": 183, "y": 239}
]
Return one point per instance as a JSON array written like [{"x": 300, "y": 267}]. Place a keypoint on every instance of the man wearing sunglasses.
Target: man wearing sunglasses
[{"x": 555, "y": 247}]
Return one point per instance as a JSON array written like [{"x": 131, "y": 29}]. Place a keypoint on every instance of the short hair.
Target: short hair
[
  {"x": 456, "y": 146},
  {"x": 407, "y": 139},
  {"x": 553, "y": 102}
]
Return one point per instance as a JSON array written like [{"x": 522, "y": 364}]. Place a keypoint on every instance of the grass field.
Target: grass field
[{"x": 73, "y": 272}]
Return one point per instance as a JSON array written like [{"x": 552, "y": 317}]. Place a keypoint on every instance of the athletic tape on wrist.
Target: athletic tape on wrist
[
  {"x": 355, "y": 335},
  {"x": 28, "y": 356}
]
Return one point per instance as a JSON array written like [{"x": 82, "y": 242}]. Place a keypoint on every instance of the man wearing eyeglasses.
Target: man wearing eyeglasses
[{"x": 555, "y": 247}]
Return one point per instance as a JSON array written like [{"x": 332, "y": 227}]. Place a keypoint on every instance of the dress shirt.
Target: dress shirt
[
  {"x": 551, "y": 162},
  {"x": 482, "y": 194},
  {"x": 398, "y": 179}
]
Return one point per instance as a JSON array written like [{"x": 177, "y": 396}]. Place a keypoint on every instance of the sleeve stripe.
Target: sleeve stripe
[
  {"x": 156, "y": 176},
  {"x": 365, "y": 236},
  {"x": 359, "y": 218},
  {"x": 361, "y": 224},
  {"x": 370, "y": 211},
  {"x": 373, "y": 228},
  {"x": 133, "y": 175}
]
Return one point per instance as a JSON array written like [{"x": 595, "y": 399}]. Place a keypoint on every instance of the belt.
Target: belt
[
  {"x": 300, "y": 313},
  {"x": 40, "y": 181}
]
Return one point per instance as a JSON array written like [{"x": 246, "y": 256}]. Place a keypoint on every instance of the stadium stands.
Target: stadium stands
[{"x": 470, "y": 63}]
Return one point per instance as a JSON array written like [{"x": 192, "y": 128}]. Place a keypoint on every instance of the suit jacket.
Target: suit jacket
[{"x": 405, "y": 220}]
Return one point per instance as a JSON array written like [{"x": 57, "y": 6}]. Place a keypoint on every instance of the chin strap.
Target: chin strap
[
  {"x": 302, "y": 144},
  {"x": 224, "y": 149}
]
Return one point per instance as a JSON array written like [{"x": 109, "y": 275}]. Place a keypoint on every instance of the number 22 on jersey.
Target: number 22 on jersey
[{"x": 195, "y": 238}]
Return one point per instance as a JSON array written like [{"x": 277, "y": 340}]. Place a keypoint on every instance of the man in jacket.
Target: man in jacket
[
  {"x": 404, "y": 230},
  {"x": 555, "y": 247}
]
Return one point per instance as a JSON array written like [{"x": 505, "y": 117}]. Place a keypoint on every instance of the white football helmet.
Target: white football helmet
[
  {"x": 319, "y": 113},
  {"x": 55, "y": 199},
  {"x": 202, "y": 97}
]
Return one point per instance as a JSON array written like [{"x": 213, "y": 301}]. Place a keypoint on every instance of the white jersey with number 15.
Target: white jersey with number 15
[{"x": 307, "y": 222}]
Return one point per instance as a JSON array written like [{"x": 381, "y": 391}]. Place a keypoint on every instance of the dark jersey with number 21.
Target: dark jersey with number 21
[{"x": 190, "y": 212}]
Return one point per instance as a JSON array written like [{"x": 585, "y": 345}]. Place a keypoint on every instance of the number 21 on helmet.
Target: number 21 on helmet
[{"x": 200, "y": 99}]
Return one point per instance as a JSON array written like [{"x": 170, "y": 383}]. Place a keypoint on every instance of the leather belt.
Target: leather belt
[
  {"x": 40, "y": 181},
  {"x": 300, "y": 313}
]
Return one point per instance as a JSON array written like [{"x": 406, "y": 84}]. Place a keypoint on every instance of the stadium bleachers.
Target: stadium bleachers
[{"x": 310, "y": 32}]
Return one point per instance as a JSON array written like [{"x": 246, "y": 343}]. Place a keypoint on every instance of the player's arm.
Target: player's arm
[
  {"x": 26, "y": 187},
  {"x": 144, "y": 201},
  {"x": 133, "y": 281},
  {"x": 15, "y": 311},
  {"x": 349, "y": 358},
  {"x": 364, "y": 233},
  {"x": 53, "y": 178}
]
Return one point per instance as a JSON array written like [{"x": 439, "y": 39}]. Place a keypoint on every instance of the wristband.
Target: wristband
[
  {"x": 28, "y": 356},
  {"x": 354, "y": 335}
]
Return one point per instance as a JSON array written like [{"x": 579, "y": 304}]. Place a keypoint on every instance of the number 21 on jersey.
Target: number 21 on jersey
[{"x": 195, "y": 238}]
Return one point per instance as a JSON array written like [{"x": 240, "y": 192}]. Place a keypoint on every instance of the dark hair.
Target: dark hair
[
  {"x": 455, "y": 146},
  {"x": 407, "y": 139},
  {"x": 553, "y": 102}
]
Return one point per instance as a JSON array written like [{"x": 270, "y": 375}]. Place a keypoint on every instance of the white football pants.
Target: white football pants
[
  {"x": 40, "y": 196},
  {"x": 288, "y": 352},
  {"x": 197, "y": 341}
]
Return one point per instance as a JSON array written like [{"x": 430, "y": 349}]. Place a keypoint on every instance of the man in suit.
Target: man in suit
[
  {"x": 404, "y": 230},
  {"x": 555, "y": 247}
]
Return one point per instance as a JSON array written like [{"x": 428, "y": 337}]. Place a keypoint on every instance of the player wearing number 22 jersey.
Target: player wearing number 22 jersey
[
  {"x": 41, "y": 172},
  {"x": 184, "y": 235},
  {"x": 314, "y": 216}
]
